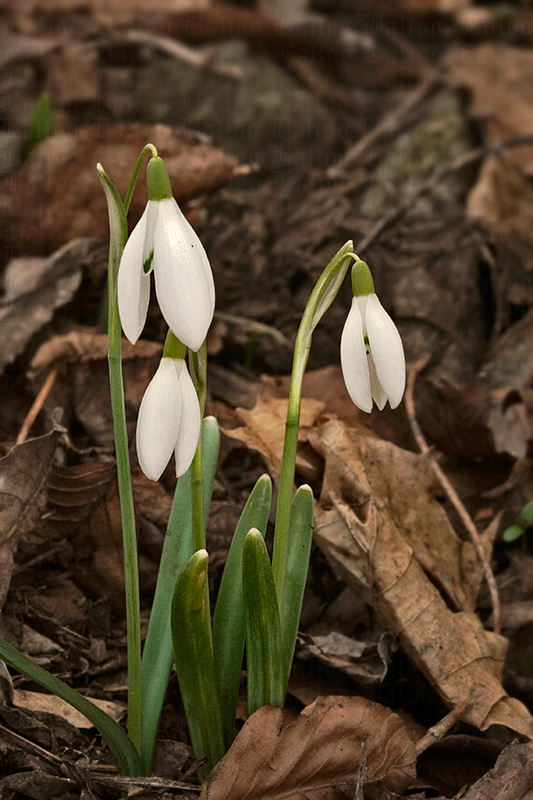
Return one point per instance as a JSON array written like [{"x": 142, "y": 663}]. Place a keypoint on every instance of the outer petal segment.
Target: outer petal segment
[
  {"x": 190, "y": 420},
  {"x": 354, "y": 359},
  {"x": 159, "y": 420},
  {"x": 387, "y": 350},
  {"x": 133, "y": 286},
  {"x": 183, "y": 277}
]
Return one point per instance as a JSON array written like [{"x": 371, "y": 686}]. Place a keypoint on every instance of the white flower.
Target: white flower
[
  {"x": 372, "y": 358},
  {"x": 169, "y": 420},
  {"x": 163, "y": 241}
]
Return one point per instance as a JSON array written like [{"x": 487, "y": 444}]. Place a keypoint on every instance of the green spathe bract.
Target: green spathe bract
[{"x": 157, "y": 180}]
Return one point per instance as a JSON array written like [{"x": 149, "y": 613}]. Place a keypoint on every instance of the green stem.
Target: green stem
[
  {"x": 118, "y": 234},
  {"x": 149, "y": 148},
  {"x": 322, "y": 296},
  {"x": 197, "y": 496},
  {"x": 198, "y": 369}
]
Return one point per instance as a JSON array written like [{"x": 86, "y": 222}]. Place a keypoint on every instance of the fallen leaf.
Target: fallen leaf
[
  {"x": 60, "y": 185},
  {"x": 320, "y": 751},
  {"x": 264, "y": 426},
  {"x": 365, "y": 661},
  {"x": 506, "y": 376},
  {"x": 510, "y": 779},
  {"x": 82, "y": 384},
  {"x": 23, "y": 475},
  {"x": 49, "y": 703},
  {"x": 500, "y": 80},
  {"x": 34, "y": 288},
  {"x": 380, "y": 527}
]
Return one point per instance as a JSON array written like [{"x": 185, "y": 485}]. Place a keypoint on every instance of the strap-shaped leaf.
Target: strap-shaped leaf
[
  {"x": 117, "y": 740},
  {"x": 228, "y": 622},
  {"x": 300, "y": 537},
  {"x": 193, "y": 654},
  {"x": 157, "y": 655},
  {"x": 263, "y": 639}
]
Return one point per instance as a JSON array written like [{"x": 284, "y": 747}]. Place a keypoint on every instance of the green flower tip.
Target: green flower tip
[
  {"x": 362, "y": 282},
  {"x": 157, "y": 180},
  {"x": 173, "y": 348}
]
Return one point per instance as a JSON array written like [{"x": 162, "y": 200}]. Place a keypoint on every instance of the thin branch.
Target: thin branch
[{"x": 466, "y": 519}]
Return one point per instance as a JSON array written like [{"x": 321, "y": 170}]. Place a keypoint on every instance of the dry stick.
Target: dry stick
[
  {"x": 450, "y": 491},
  {"x": 435, "y": 733},
  {"x": 387, "y": 125},
  {"x": 361, "y": 772},
  {"x": 36, "y": 406}
]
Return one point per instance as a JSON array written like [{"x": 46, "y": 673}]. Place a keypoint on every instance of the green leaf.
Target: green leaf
[
  {"x": 41, "y": 125},
  {"x": 117, "y": 740},
  {"x": 526, "y": 515},
  {"x": 157, "y": 654},
  {"x": 263, "y": 638},
  {"x": 228, "y": 622},
  {"x": 512, "y": 533},
  {"x": 193, "y": 655},
  {"x": 301, "y": 535}
]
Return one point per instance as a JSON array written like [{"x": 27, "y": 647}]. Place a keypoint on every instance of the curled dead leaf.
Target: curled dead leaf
[
  {"x": 320, "y": 750},
  {"x": 380, "y": 527}
]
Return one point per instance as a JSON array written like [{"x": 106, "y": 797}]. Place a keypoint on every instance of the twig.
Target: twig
[
  {"x": 436, "y": 733},
  {"x": 36, "y": 406},
  {"x": 147, "y": 783},
  {"x": 450, "y": 491},
  {"x": 359, "y": 792},
  {"x": 200, "y": 59},
  {"x": 11, "y": 737},
  {"x": 386, "y": 125}
]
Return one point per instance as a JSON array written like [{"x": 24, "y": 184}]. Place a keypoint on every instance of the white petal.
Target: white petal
[
  {"x": 133, "y": 285},
  {"x": 387, "y": 350},
  {"x": 159, "y": 419},
  {"x": 190, "y": 420},
  {"x": 354, "y": 361},
  {"x": 183, "y": 277},
  {"x": 152, "y": 211},
  {"x": 377, "y": 392}
]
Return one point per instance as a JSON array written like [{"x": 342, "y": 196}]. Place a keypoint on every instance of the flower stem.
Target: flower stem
[
  {"x": 118, "y": 234},
  {"x": 198, "y": 369},
  {"x": 149, "y": 148},
  {"x": 322, "y": 296}
]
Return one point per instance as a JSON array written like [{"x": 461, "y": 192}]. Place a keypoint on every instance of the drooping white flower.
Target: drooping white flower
[
  {"x": 169, "y": 420},
  {"x": 165, "y": 243},
  {"x": 372, "y": 357}
]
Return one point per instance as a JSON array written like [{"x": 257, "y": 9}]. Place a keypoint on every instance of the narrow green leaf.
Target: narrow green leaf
[
  {"x": 157, "y": 654},
  {"x": 117, "y": 740},
  {"x": 300, "y": 536},
  {"x": 41, "y": 125},
  {"x": 263, "y": 639},
  {"x": 193, "y": 655},
  {"x": 228, "y": 622}
]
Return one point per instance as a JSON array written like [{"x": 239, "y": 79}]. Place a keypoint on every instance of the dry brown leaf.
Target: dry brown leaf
[
  {"x": 320, "y": 751},
  {"x": 34, "y": 289},
  {"x": 60, "y": 184},
  {"x": 264, "y": 426},
  {"x": 510, "y": 779},
  {"x": 500, "y": 80},
  {"x": 82, "y": 384},
  {"x": 23, "y": 475},
  {"x": 366, "y": 662},
  {"x": 507, "y": 376},
  {"x": 49, "y": 703},
  {"x": 381, "y": 528}
]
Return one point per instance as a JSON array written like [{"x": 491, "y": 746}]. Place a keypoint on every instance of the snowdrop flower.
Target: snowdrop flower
[
  {"x": 169, "y": 420},
  {"x": 372, "y": 357},
  {"x": 165, "y": 243}
]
